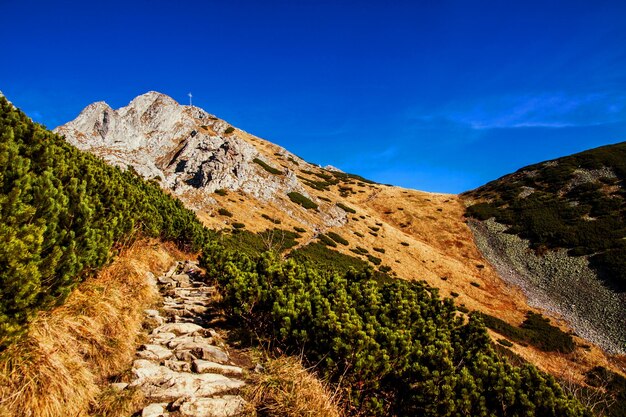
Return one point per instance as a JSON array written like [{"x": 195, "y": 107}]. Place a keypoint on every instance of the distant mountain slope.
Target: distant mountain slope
[
  {"x": 576, "y": 202},
  {"x": 572, "y": 211}
]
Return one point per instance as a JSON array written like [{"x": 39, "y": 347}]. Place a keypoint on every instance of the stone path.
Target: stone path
[{"x": 185, "y": 369}]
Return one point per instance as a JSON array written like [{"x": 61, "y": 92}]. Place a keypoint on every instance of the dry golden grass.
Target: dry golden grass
[
  {"x": 69, "y": 352},
  {"x": 287, "y": 389}
]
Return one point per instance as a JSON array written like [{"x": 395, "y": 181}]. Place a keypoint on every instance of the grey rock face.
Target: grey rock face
[
  {"x": 559, "y": 283},
  {"x": 182, "y": 146}
]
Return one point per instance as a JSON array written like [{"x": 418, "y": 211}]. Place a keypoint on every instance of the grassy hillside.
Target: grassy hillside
[
  {"x": 63, "y": 211},
  {"x": 577, "y": 202}
]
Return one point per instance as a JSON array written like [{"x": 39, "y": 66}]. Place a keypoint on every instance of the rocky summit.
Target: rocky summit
[{"x": 185, "y": 148}]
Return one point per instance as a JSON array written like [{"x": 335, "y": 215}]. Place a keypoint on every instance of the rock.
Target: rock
[
  {"x": 178, "y": 328},
  {"x": 195, "y": 309},
  {"x": 185, "y": 355},
  {"x": 203, "y": 351},
  {"x": 201, "y": 366},
  {"x": 162, "y": 338},
  {"x": 259, "y": 369},
  {"x": 155, "y": 352},
  {"x": 182, "y": 280},
  {"x": 226, "y": 406},
  {"x": 155, "y": 410},
  {"x": 166, "y": 280},
  {"x": 143, "y": 369},
  {"x": 152, "y": 313},
  {"x": 212, "y": 353},
  {"x": 171, "y": 385},
  {"x": 119, "y": 386},
  {"x": 189, "y": 342},
  {"x": 178, "y": 366}
]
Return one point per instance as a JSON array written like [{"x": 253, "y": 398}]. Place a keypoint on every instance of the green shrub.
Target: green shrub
[
  {"x": 380, "y": 250},
  {"x": 404, "y": 243},
  {"x": 393, "y": 345},
  {"x": 345, "y": 191},
  {"x": 505, "y": 342},
  {"x": 385, "y": 268},
  {"x": 536, "y": 330},
  {"x": 238, "y": 225},
  {"x": 346, "y": 208},
  {"x": 221, "y": 191},
  {"x": 374, "y": 229},
  {"x": 301, "y": 200},
  {"x": 267, "y": 167},
  {"x": 299, "y": 229},
  {"x": 475, "y": 284},
  {"x": 250, "y": 243},
  {"x": 266, "y": 217},
  {"x": 359, "y": 234},
  {"x": 454, "y": 294},
  {"x": 337, "y": 238},
  {"x": 462, "y": 309},
  {"x": 223, "y": 212},
  {"x": 326, "y": 240},
  {"x": 361, "y": 251},
  {"x": 324, "y": 258},
  {"x": 229, "y": 130},
  {"x": 374, "y": 260}
]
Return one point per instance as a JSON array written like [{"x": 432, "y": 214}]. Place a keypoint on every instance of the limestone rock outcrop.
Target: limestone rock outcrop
[{"x": 188, "y": 151}]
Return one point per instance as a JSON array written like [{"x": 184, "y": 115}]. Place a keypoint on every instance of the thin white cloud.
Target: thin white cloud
[{"x": 549, "y": 110}]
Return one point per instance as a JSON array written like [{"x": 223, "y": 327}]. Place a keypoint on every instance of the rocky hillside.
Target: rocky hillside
[
  {"x": 235, "y": 181},
  {"x": 558, "y": 230}
]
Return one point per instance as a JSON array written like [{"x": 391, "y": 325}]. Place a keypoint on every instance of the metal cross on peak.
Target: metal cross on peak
[{"x": 189, "y": 94}]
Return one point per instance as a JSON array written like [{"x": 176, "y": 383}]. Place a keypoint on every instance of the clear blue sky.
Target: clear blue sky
[{"x": 434, "y": 95}]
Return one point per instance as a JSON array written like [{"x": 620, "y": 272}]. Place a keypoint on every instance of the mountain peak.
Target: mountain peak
[
  {"x": 151, "y": 98},
  {"x": 190, "y": 152}
]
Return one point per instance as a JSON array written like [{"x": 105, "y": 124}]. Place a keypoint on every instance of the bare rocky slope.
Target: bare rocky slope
[
  {"x": 233, "y": 179},
  {"x": 557, "y": 230}
]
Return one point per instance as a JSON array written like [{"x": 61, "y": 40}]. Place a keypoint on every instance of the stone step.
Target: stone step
[
  {"x": 201, "y": 366},
  {"x": 160, "y": 382},
  {"x": 155, "y": 410},
  {"x": 155, "y": 352},
  {"x": 225, "y": 406},
  {"x": 178, "y": 328}
]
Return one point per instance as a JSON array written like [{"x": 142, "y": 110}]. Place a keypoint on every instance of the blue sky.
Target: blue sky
[{"x": 434, "y": 95}]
